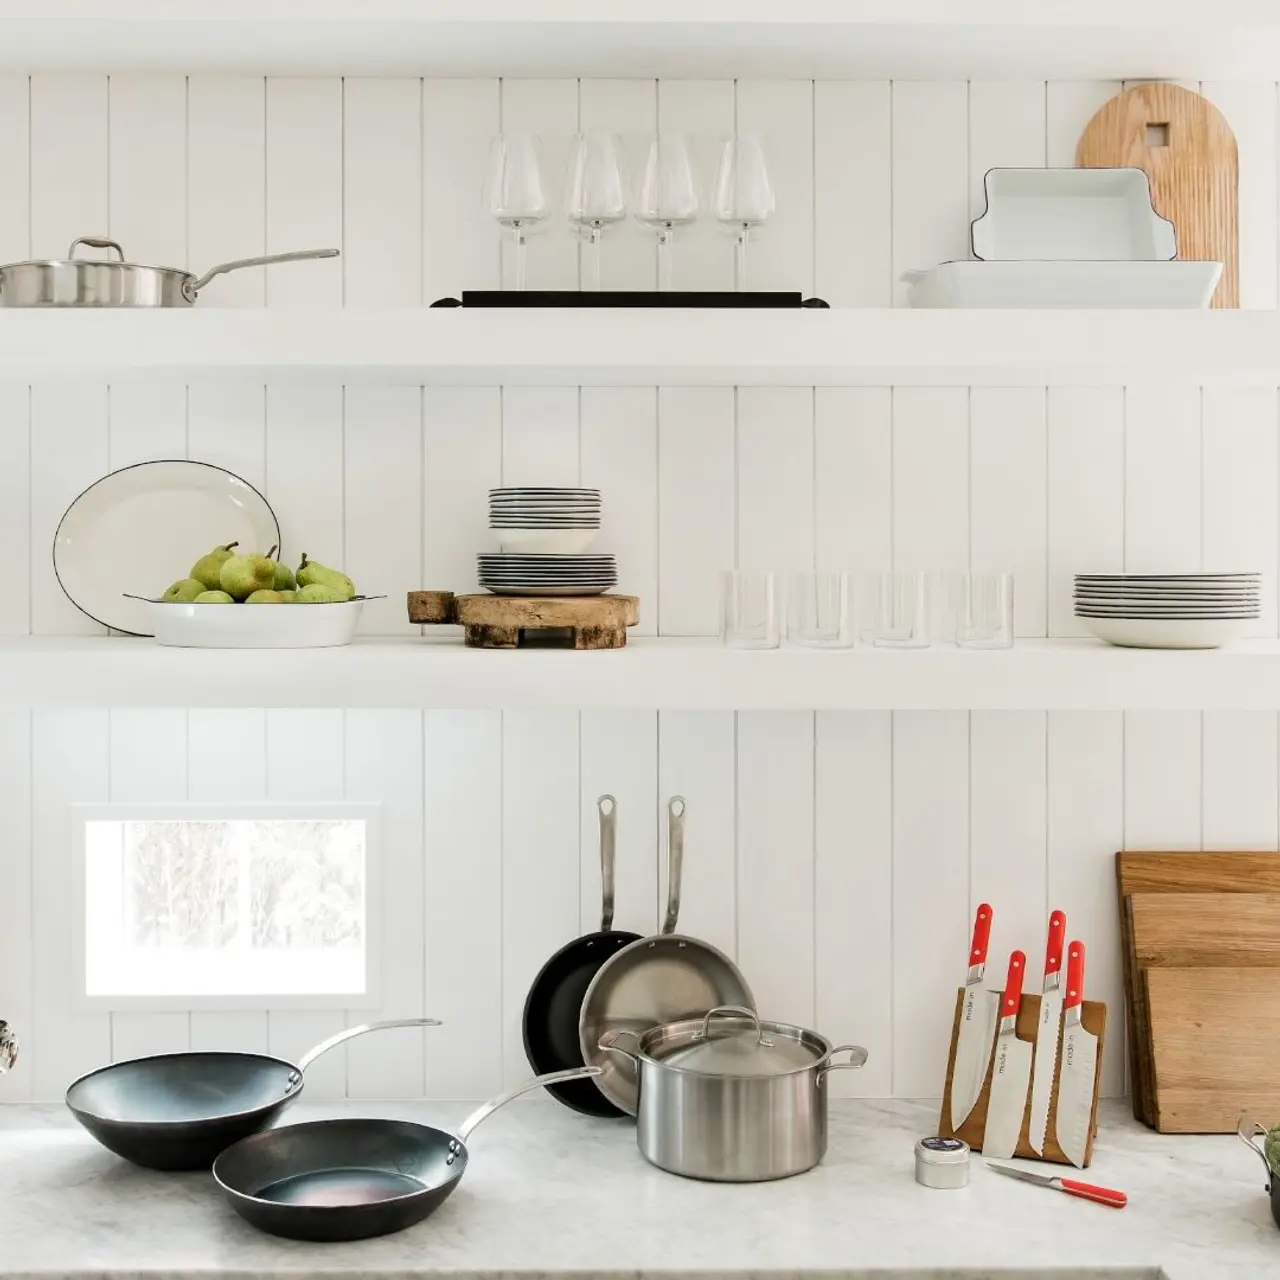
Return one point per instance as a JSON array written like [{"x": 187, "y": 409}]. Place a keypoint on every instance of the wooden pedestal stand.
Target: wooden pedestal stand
[
  {"x": 508, "y": 622},
  {"x": 1095, "y": 1019}
]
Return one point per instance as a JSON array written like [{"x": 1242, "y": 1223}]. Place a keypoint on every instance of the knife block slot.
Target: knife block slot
[{"x": 1094, "y": 1016}]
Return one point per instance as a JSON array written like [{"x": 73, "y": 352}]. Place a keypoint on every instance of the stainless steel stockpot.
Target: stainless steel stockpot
[
  {"x": 730, "y": 1098},
  {"x": 90, "y": 282}
]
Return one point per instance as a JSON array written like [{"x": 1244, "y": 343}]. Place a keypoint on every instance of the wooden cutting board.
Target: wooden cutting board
[
  {"x": 1206, "y": 930},
  {"x": 1168, "y": 872},
  {"x": 1187, "y": 149},
  {"x": 1216, "y": 1047}
]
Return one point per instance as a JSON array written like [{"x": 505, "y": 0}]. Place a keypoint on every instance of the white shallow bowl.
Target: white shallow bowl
[
  {"x": 1149, "y": 633},
  {"x": 564, "y": 542},
  {"x": 254, "y": 626}
]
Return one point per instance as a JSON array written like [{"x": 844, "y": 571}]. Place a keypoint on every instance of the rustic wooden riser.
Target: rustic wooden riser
[{"x": 512, "y": 622}]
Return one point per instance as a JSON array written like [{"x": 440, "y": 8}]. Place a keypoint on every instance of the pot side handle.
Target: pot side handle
[
  {"x": 857, "y": 1058},
  {"x": 297, "y": 255},
  {"x": 608, "y": 1043}
]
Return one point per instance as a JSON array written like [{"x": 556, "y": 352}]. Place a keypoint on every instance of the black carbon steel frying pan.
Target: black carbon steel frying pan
[{"x": 554, "y": 1002}]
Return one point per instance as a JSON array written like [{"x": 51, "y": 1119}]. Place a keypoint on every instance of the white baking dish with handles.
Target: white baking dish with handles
[{"x": 255, "y": 626}]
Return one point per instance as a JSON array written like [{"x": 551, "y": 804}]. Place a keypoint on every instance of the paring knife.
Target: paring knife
[
  {"x": 1079, "y": 1065},
  {"x": 1012, "y": 1070},
  {"x": 977, "y": 1025},
  {"x": 1048, "y": 1034},
  {"x": 1084, "y": 1190}
]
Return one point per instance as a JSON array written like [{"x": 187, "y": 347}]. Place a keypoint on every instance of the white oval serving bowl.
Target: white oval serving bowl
[{"x": 254, "y": 626}]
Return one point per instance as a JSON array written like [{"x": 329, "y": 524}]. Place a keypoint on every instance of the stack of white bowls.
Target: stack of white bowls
[
  {"x": 1168, "y": 610},
  {"x": 543, "y": 533}
]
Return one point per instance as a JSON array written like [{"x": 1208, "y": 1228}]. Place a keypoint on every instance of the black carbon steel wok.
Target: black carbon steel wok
[
  {"x": 179, "y": 1110},
  {"x": 352, "y": 1179}
]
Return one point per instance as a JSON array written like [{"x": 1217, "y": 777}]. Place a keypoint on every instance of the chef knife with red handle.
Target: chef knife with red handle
[
  {"x": 1012, "y": 1070},
  {"x": 1048, "y": 1033},
  {"x": 1083, "y": 1190},
  {"x": 1079, "y": 1065},
  {"x": 977, "y": 1024}
]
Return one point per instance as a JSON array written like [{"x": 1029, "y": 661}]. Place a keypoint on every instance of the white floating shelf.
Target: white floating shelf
[
  {"x": 907, "y": 39},
  {"x": 668, "y": 674},
  {"x": 649, "y": 347}
]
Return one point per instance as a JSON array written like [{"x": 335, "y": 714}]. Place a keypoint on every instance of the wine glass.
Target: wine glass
[
  {"x": 515, "y": 191},
  {"x": 595, "y": 195},
  {"x": 743, "y": 195},
  {"x": 668, "y": 196}
]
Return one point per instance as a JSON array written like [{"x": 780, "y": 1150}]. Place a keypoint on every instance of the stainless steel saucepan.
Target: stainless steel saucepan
[{"x": 113, "y": 282}]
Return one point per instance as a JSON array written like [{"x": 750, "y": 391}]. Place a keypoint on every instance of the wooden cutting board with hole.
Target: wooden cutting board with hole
[
  {"x": 1215, "y": 1036},
  {"x": 1188, "y": 151}
]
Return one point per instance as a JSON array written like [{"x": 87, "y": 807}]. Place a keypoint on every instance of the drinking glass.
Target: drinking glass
[
  {"x": 595, "y": 195},
  {"x": 515, "y": 191},
  {"x": 819, "y": 610},
  {"x": 668, "y": 196},
  {"x": 743, "y": 195},
  {"x": 749, "y": 613},
  {"x": 981, "y": 609},
  {"x": 897, "y": 610}
]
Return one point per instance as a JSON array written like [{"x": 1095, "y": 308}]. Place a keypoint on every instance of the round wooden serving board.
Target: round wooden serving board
[{"x": 507, "y": 622}]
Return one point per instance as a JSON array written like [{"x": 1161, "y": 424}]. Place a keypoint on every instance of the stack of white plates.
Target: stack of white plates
[
  {"x": 1167, "y": 611},
  {"x": 545, "y": 521},
  {"x": 547, "y": 575}
]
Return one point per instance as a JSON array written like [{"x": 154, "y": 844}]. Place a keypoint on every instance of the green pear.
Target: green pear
[
  {"x": 241, "y": 576},
  {"x": 318, "y": 593},
  {"x": 312, "y": 573},
  {"x": 267, "y": 596},
  {"x": 183, "y": 591},
  {"x": 207, "y": 568},
  {"x": 213, "y": 597},
  {"x": 288, "y": 596},
  {"x": 284, "y": 575}
]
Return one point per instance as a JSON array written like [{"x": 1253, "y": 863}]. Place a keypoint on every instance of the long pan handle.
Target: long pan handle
[
  {"x": 351, "y": 1032},
  {"x": 675, "y": 860},
  {"x": 538, "y": 1082},
  {"x": 607, "y": 807}
]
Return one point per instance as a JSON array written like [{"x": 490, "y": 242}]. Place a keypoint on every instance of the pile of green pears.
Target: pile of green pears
[{"x": 223, "y": 577}]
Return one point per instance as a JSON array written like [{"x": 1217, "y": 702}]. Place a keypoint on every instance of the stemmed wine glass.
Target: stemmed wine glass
[
  {"x": 743, "y": 195},
  {"x": 668, "y": 196},
  {"x": 595, "y": 195},
  {"x": 515, "y": 191}
]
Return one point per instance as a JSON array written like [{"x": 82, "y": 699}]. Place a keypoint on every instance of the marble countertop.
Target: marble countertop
[{"x": 549, "y": 1193}]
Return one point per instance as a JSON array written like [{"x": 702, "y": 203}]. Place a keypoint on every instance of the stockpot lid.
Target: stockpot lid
[{"x": 733, "y": 1041}]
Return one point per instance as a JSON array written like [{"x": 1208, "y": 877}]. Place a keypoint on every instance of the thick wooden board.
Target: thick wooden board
[
  {"x": 1187, "y": 149},
  {"x": 1206, "y": 930},
  {"x": 1095, "y": 1019},
  {"x": 506, "y": 622},
  {"x": 1215, "y": 1037}
]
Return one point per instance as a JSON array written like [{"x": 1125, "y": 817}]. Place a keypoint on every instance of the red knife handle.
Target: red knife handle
[
  {"x": 1057, "y": 936},
  {"x": 1075, "y": 976},
  {"x": 1013, "y": 984},
  {"x": 981, "y": 935},
  {"x": 1099, "y": 1195}
]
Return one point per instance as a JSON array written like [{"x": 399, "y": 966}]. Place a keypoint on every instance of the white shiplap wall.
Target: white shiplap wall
[{"x": 838, "y": 856}]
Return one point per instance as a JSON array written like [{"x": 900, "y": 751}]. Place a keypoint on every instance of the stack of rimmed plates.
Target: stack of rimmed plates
[
  {"x": 1169, "y": 610},
  {"x": 545, "y": 520},
  {"x": 547, "y": 575}
]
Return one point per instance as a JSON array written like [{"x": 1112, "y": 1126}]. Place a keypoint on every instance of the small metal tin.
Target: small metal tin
[{"x": 942, "y": 1163}]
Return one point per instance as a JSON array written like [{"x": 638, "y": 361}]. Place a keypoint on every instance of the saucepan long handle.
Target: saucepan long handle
[
  {"x": 675, "y": 860},
  {"x": 481, "y": 1114},
  {"x": 297, "y": 255}
]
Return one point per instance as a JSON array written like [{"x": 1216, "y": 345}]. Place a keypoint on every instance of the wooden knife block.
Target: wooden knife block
[{"x": 1095, "y": 1020}]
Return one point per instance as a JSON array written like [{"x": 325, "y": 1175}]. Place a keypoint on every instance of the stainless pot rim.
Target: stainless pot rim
[{"x": 115, "y": 263}]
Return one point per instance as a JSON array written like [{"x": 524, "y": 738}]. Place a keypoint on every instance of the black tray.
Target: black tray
[{"x": 623, "y": 298}]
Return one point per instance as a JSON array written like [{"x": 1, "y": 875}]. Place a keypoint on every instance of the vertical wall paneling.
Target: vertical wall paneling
[
  {"x": 620, "y": 758},
  {"x": 382, "y": 493},
  {"x": 1085, "y": 493},
  {"x": 930, "y": 883},
  {"x": 853, "y": 221},
  {"x": 1069, "y": 106},
  {"x": 1007, "y": 493},
  {"x": 1162, "y": 479},
  {"x": 1006, "y": 130},
  {"x": 15, "y": 162},
  {"x": 781, "y": 113},
  {"x": 305, "y": 761},
  {"x": 697, "y": 502},
  {"x": 703, "y": 110},
  {"x": 148, "y": 420},
  {"x": 541, "y": 863},
  {"x": 697, "y": 755},
  {"x": 930, "y": 176},
  {"x": 1239, "y": 488},
  {"x": 70, "y": 761},
  {"x": 15, "y": 507},
  {"x": 384, "y": 765},
  {"x": 775, "y": 478},
  {"x": 460, "y": 118},
  {"x": 464, "y": 913},
  {"x": 853, "y": 868},
  {"x": 1086, "y": 827},
  {"x": 461, "y": 461},
  {"x": 548, "y": 109},
  {"x": 226, "y": 184},
  {"x": 1240, "y": 772},
  {"x": 68, "y": 162},
  {"x": 930, "y": 478},
  {"x": 620, "y": 458},
  {"x": 305, "y": 470},
  {"x": 1162, "y": 780},
  {"x": 540, "y": 444},
  {"x": 382, "y": 189},
  {"x": 852, "y": 466},
  {"x": 148, "y": 159},
  {"x": 304, "y": 189},
  {"x": 628, "y": 110},
  {"x": 226, "y": 425},
  {"x": 17, "y": 941}
]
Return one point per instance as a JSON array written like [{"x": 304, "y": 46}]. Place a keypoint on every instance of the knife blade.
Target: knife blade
[
  {"x": 1012, "y": 1071},
  {"x": 1084, "y": 1190},
  {"x": 1048, "y": 1034},
  {"x": 977, "y": 1024},
  {"x": 1079, "y": 1065}
]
